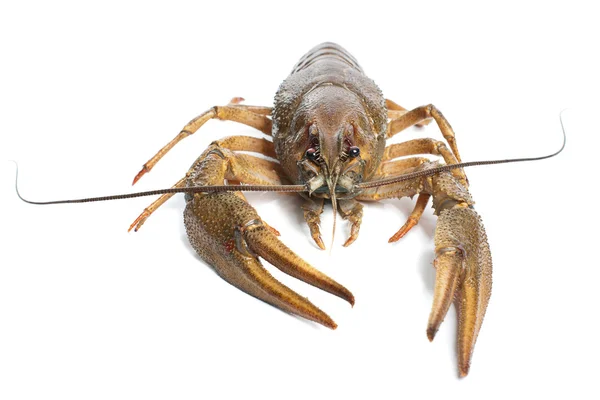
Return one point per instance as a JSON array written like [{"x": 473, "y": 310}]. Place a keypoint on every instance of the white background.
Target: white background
[{"x": 88, "y": 311}]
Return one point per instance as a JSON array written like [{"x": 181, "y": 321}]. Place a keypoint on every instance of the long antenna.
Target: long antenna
[
  {"x": 444, "y": 168},
  {"x": 194, "y": 189},
  {"x": 294, "y": 188}
]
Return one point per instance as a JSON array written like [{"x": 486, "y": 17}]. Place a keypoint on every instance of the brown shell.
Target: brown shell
[{"x": 327, "y": 64}]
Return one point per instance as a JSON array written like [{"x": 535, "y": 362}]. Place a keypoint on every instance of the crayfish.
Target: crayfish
[
  {"x": 328, "y": 130},
  {"x": 329, "y": 126}
]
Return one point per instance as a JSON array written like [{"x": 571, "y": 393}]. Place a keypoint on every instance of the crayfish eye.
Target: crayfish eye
[
  {"x": 311, "y": 153},
  {"x": 354, "y": 151}
]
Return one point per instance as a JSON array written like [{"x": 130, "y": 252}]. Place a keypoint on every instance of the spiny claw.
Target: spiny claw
[
  {"x": 228, "y": 233},
  {"x": 464, "y": 274},
  {"x": 262, "y": 242}
]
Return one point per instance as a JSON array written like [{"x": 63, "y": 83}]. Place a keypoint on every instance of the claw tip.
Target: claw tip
[
  {"x": 330, "y": 324},
  {"x": 431, "y": 331},
  {"x": 319, "y": 242}
]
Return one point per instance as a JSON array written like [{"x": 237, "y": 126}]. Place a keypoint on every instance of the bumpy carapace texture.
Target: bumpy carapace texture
[{"x": 329, "y": 126}]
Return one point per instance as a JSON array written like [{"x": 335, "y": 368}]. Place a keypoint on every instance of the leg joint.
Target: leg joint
[
  {"x": 453, "y": 250},
  {"x": 217, "y": 151},
  {"x": 239, "y": 234},
  {"x": 215, "y": 110}
]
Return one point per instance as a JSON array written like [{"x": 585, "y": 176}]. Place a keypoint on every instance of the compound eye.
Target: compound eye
[
  {"x": 311, "y": 153},
  {"x": 354, "y": 151}
]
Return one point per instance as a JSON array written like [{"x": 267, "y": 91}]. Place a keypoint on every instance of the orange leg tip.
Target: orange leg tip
[
  {"x": 398, "y": 235},
  {"x": 140, "y": 174},
  {"x": 394, "y": 238},
  {"x": 139, "y": 221},
  {"x": 134, "y": 225},
  {"x": 236, "y": 100},
  {"x": 402, "y": 231},
  {"x": 349, "y": 241},
  {"x": 319, "y": 241}
]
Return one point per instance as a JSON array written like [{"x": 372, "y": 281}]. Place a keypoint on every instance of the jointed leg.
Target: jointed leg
[
  {"x": 413, "y": 219},
  {"x": 231, "y": 112},
  {"x": 351, "y": 210},
  {"x": 248, "y": 143},
  {"x": 248, "y": 166},
  {"x": 411, "y": 147},
  {"x": 396, "y": 111},
  {"x": 139, "y": 221},
  {"x": 313, "y": 208},
  {"x": 391, "y": 105},
  {"x": 420, "y": 114},
  {"x": 228, "y": 233},
  {"x": 397, "y": 167},
  {"x": 463, "y": 261},
  {"x": 262, "y": 110},
  {"x": 425, "y": 146}
]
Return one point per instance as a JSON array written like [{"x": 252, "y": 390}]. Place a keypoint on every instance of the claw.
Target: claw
[
  {"x": 464, "y": 274},
  {"x": 352, "y": 211},
  {"x": 275, "y": 252},
  {"x": 449, "y": 265},
  {"x": 227, "y": 232},
  {"x": 318, "y": 240},
  {"x": 312, "y": 211},
  {"x": 350, "y": 240},
  {"x": 353, "y": 234}
]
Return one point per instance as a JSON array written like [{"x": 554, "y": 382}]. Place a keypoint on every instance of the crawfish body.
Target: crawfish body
[{"x": 329, "y": 128}]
